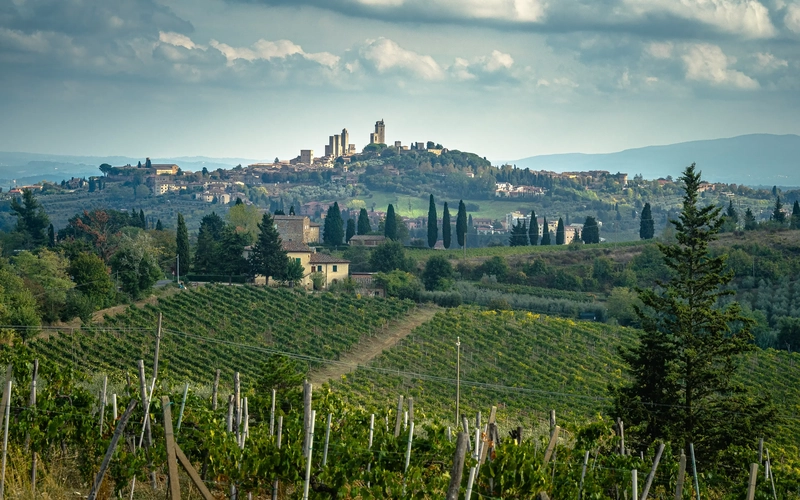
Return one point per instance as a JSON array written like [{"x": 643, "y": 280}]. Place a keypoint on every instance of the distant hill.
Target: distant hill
[
  {"x": 754, "y": 160},
  {"x": 29, "y": 168}
]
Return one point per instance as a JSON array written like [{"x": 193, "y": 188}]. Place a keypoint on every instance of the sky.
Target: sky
[{"x": 505, "y": 79}]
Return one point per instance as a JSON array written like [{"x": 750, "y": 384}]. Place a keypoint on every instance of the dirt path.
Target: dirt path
[{"x": 369, "y": 349}]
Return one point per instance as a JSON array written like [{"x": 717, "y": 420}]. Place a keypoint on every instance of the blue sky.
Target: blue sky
[{"x": 502, "y": 78}]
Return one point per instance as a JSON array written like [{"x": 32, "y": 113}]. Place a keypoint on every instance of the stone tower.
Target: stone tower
[
  {"x": 380, "y": 132},
  {"x": 345, "y": 141}
]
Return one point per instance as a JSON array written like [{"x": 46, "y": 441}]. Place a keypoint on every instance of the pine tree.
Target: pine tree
[
  {"x": 749, "y": 220},
  {"x": 159, "y": 226},
  {"x": 777, "y": 212},
  {"x": 732, "y": 214},
  {"x": 182, "y": 244},
  {"x": 519, "y": 234},
  {"x": 334, "y": 226},
  {"x": 390, "y": 224},
  {"x": 32, "y": 221},
  {"x": 142, "y": 220},
  {"x": 683, "y": 385},
  {"x": 351, "y": 230},
  {"x": 433, "y": 224},
  {"x": 560, "y": 234},
  {"x": 591, "y": 231},
  {"x": 364, "y": 226},
  {"x": 446, "y": 229},
  {"x": 291, "y": 210},
  {"x": 51, "y": 235},
  {"x": 268, "y": 257},
  {"x": 461, "y": 224},
  {"x": 206, "y": 255},
  {"x": 545, "y": 232},
  {"x": 794, "y": 223},
  {"x": 533, "y": 229},
  {"x": 646, "y": 224}
]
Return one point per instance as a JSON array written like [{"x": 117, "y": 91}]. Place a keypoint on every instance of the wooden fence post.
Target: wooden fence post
[
  {"x": 110, "y": 451},
  {"x": 681, "y": 476},
  {"x": 458, "y": 466},
  {"x": 652, "y": 474},
  {"x": 278, "y": 444},
  {"x": 6, "y": 417},
  {"x": 172, "y": 464},
  {"x": 103, "y": 403},
  {"x": 398, "y": 419},
  {"x": 551, "y": 446},
  {"x": 215, "y": 391},
  {"x": 32, "y": 404},
  {"x": 751, "y": 485},
  {"x": 328, "y": 437},
  {"x": 310, "y": 453}
]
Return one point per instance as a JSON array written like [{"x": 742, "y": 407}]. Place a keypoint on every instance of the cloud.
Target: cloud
[
  {"x": 749, "y": 18},
  {"x": 792, "y": 18},
  {"x": 384, "y": 55},
  {"x": 660, "y": 50},
  {"x": 707, "y": 63},
  {"x": 768, "y": 62},
  {"x": 177, "y": 39},
  {"x": 267, "y": 50}
]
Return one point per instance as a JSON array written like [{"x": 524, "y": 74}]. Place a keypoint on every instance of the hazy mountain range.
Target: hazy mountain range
[{"x": 754, "y": 160}]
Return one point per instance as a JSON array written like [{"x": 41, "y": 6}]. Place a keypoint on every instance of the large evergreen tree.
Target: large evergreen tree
[
  {"x": 268, "y": 257},
  {"x": 351, "y": 230},
  {"x": 334, "y": 226},
  {"x": 519, "y": 234},
  {"x": 777, "y": 212},
  {"x": 646, "y": 223},
  {"x": 446, "y": 229},
  {"x": 591, "y": 231},
  {"x": 231, "y": 252},
  {"x": 32, "y": 221},
  {"x": 545, "y": 232},
  {"x": 561, "y": 236},
  {"x": 732, "y": 214},
  {"x": 461, "y": 224},
  {"x": 533, "y": 229},
  {"x": 683, "y": 386},
  {"x": 206, "y": 255},
  {"x": 794, "y": 223},
  {"x": 749, "y": 220},
  {"x": 364, "y": 226},
  {"x": 433, "y": 224},
  {"x": 390, "y": 224},
  {"x": 182, "y": 243}
]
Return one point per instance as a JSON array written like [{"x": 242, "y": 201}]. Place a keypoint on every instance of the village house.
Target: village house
[{"x": 297, "y": 228}]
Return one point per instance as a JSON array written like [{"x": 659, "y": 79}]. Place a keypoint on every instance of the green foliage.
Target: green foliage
[
  {"x": 794, "y": 223},
  {"x": 533, "y": 230},
  {"x": 135, "y": 265},
  {"x": 749, "y": 220},
  {"x": 519, "y": 234},
  {"x": 245, "y": 218},
  {"x": 390, "y": 224},
  {"x": 777, "y": 212},
  {"x": 591, "y": 231},
  {"x": 646, "y": 223},
  {"x": 17, "y": 303},
  {"x": 351, "y": 230},
  {"x": 438, "y": 273},
  {"x": 495, "y": 266},
  {"x": 268, "y": 257},
  {"x": 683, "y": 368},
  {"x": 622, "y": 304},
  {"x": 364, "y": 226},
  {"x": 433, "y": 224},
  {"x": 208, "y": 241},
  {"x": 231, "y": 252},
  {"x": 32, "y": 221},
  {"x": 446, "y": 227},
  {"x": 389, "y": 256},
  {"x": 545, "y": 232},
  {"x": 560, "y": 236},
  {"x": 45, "y": 275},
  {"x": 461, "y": 223},
  {"x": 334, "y": 226},
  {"x": 399, "y": 284},
  {"x": 182, "y": 244}
]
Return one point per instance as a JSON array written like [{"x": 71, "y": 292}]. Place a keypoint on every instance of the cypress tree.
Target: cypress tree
[
  {"x": 159, "y": 226},
  {"x": 749, "y": 220},
  {"x": 519, "y": 234},
  {"x": 446, "y": 229},
  {"x": 646, "y": 224},
  {"x": 206, "y": 255},
  {"x": 142, "y": 220},
  {"x": 268, "y": 257},
  {"x": 334, "y": 226},
  {"x": 533, "y": 229},
  {"x": 51, "y": 235},
  {"x": 461, "y": 223},
  {"x": 560, "y": 233},
  {"x": 683, "y": 371},
  {"x": 777, "y": 213},
  {"x": 591, "y": 231},
  {"x": 545, "y": 232},
  {"x": 390, "y": 225},
  {"x": 182, "y": 244},
  {"x": 795, "y": 222},
  {"x": 433, "y": 224},
  {"x": 364, "y": 226},
  {"x": 732, "y": 214},
  {"x": 351, "y": 230}
]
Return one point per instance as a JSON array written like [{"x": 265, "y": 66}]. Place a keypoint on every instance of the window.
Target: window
[
  {"x": 335, "y": 268},
  {"x": 297, "y": 260},
  {"x": 319, "y": 269}
]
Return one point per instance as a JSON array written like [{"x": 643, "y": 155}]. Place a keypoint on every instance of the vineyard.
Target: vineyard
[{"x": 208, "y": 327}]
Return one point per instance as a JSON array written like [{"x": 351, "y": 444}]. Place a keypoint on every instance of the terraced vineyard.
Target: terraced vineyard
[
  {"x": 528, "y": 364},
  {"x": 206, "y": 328}
]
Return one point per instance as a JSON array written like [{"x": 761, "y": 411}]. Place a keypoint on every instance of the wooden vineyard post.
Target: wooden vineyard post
[
  {"x": 458, "y": 378},
  {"x": 621, "y": 429},
  {"x": 492, "y": 417},
  {"x": 408, "y": 456},
  {"x": 6, "y": 417},
  {"x": 458, "y": 466},
  {"x": 193, "y": 475},
  {"x": 110, "y": 451},
  {"x": 465, "y": 425},
  {"x": 552, "y": 420},
  {"x": 411, "y": 409},
  {"x": 307, "y": 400},
  {"x": 583, "y": 474},
  {"x": 652, "y": 474},
  {"x": 114, "y": 406},
  {"x": 237, "y": 406},
  {"x": 771, "y": 477},
  {"x": 310, "y": 453},
  {"x": 278, "y": 443},
  {"x": 681, "y": 476},
  {"x": 760, "y": 451},
  {"x": 551, "y": 446},
  {"x": 158, "y": 347},
  {"x": 476, "y": 452},
  {"x": 751, "y": 484},
  {"x": 172, "y": 464},
  {"x": 399, "y": 417},
  {"x": 215, "y": 391}
]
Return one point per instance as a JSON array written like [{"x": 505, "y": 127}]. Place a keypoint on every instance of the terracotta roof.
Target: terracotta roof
[
  {"x": 323, "y": 258},
  {"x": 295, "y": 246}
]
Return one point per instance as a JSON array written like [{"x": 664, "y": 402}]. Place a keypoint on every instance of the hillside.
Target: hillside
[{"x": 757, "y": 159}]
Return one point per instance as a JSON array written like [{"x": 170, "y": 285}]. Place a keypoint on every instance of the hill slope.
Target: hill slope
[{"x": 757, "y": 159}]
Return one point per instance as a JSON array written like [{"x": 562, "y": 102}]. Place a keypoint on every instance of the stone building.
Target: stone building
[{"x": 379, "y": 136}]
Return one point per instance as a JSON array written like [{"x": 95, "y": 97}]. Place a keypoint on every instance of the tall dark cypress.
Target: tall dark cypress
[
  {"x": 182, "y": 243},
  {"x": 364, "y": 226},
  {"x": 142, "y": 220},
  {"x": 433, "y": 224},
  {"x": 561, "y": 236},
  {"x": 268, "y": 257},
  {"x": 446, "y": 229},
  {"x": 334, "y": 226},
  {"x": 390, "y": 224},
  {"x": 545, "y": 232},
  {"x": 461, "y": 224},
  {"x": 646, "y": 225},
  {"x": 351, "y": 230},
  {"x": 533, "y": 229}
]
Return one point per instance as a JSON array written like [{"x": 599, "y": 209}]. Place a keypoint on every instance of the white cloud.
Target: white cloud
[
  {"x": 660, "y": 50},
  {"x": 35, "y": 42},
  {"x": 745, "y": 17},
  {"x": 267, "y": 50},
  {"x": 177, "y": 40},
  {"x": 517, "y": 11},
  {"x": 792, "y": 18},
  {"x": 386, "y": 55},
  {"x": 705, "y": 62},
  {"x": 499, "y": 60},
  {"x": 768, "y": 62}
]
